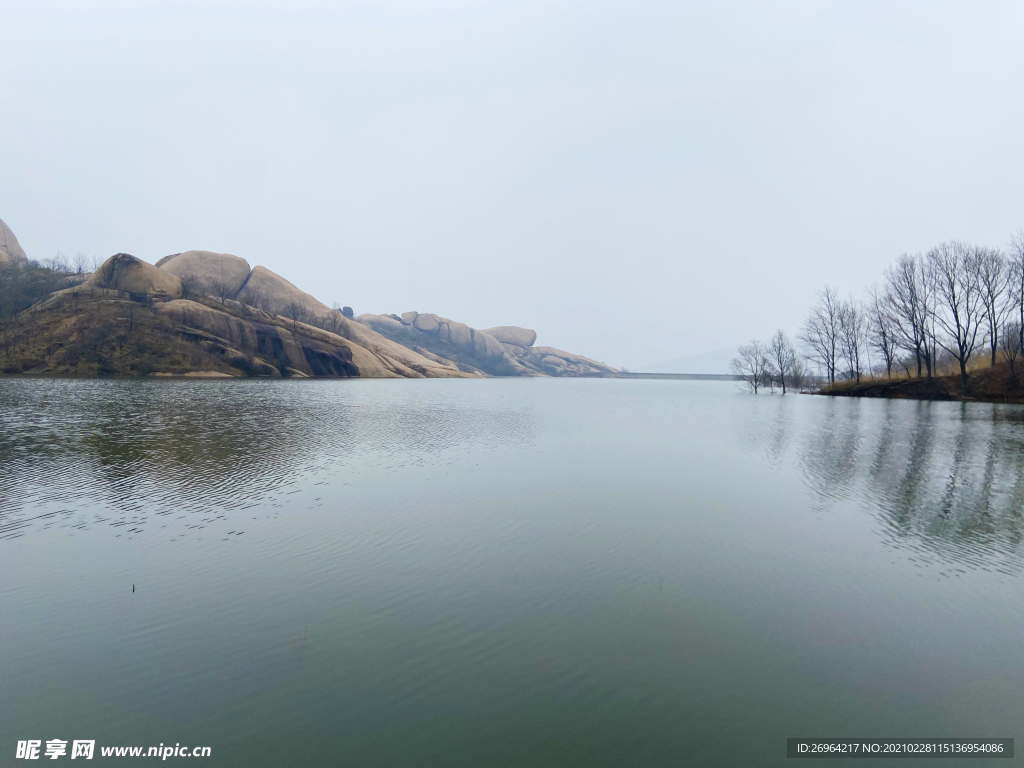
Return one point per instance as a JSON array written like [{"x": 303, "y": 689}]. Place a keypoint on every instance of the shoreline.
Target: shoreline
[
  {"x": 986, "y": 385},
  {"x": 669, "y": 376}
]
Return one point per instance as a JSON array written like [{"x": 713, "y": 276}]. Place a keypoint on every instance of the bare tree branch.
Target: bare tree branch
[
  {"x": 955, "y": 268},
  {"x": 752, "y": 365},
  {"x": 820, "y": 334}
]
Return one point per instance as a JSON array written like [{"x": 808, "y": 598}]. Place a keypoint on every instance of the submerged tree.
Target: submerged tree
[
  {"x": 782, "y": 359},
  {"x": 751, "y": 364}
]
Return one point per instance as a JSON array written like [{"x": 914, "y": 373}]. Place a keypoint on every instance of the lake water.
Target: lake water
[{"x": 503, "y": 572}]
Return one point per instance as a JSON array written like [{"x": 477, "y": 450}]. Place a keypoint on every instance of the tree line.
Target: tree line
[
  {"x": 955, "y": 306},
  {"x": 22, "y": 285}
]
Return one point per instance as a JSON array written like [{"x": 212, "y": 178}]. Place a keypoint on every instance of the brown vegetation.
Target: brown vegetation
[
  {"x": 79, "y": 335},
  {"x": 959, "y": 308},
  {"x": 129, "y": 317},
  {"x": 1002, "y": 383}
]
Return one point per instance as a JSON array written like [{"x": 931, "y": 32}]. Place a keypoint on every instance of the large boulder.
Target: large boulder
[
  {"x": 513, "y": 334},
  {"x": 218, "y": 274},
  {"x": 11, "y": 253},
  {"x": 559, "y": 358},
  {"x": 502, "y": 351},
  {"x": 124, "y": 272},
  {"x": 459, "y": 334},
  {"x": 427, "y": 323},
  {"x": 367, "y": 335},
  {"x": 237, "y": 332},
  {"x": 486, "y": 346},
  {"x": 386, "y": 321},
  {"x": 273, "y": 293},
  {"x": 300, "y": 350}
]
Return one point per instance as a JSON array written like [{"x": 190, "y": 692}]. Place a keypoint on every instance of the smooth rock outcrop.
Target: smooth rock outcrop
[
  {"x": 486, "y": 346},
  {"x": 431, "y": 366},
  {"x": 300, "y": 349},
  {"x": 569, "y": 363},
  {"x": 124, "y": 272},
  {"x": 270, "y": 326},
  {"x": 502, "y": 351},
  {"x": 570, "y": 357},
  {"x": 427, "y": 323},
  {"x": 235, "y": 331},
  {"x": 459, "y": 334},
  {"x": 513, "y": 334},
  {"x": 11, "y": 252},
  {"x": 218, "y": 274},
  {"x": 271, "y": 292}
]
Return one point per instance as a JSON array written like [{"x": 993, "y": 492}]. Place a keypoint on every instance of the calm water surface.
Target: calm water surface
[{"x": 503, "y": 572}]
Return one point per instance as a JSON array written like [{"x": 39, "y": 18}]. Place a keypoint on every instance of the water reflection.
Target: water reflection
[
  {"x": 946, "y": 479},
  {"x": 127, "y": 453}
]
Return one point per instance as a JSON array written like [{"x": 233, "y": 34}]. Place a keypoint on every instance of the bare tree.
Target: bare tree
[
  {"x": 781, "y": 359},
  {"x": 254, "y": 298},
  {"x": 956, "y": 269},
  {"x": 189, "y": 285},
  {"x": 797, "y": 378},
  {"x": 59, "y": 263},
  {"x": 851, "y": 337},
  {"x": 1016, "y": 281},
  {"x": 751, "y": 364},
  {"x": 334, "y": 322},
  {"x": 220, "y": 290},
  {"x": 908, "y": 306},
  {"x": 880, "y": 332},
  {"x": 81, "y": 263},
  {"x": 296, "y": 312},
  {"x": 994, "y": 276},
  {"x": 821, "y": 331},
  {"x": 1009, "y": 340}
]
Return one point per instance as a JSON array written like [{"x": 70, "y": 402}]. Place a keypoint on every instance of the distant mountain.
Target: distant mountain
[{"x": 715, "y": 361}]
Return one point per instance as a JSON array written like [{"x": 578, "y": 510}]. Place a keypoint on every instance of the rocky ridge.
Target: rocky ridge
[
  {"x": 237, "y": 320},
  {"x": 502, "y": 351}
]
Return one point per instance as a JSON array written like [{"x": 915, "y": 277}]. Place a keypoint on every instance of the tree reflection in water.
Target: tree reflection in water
[{"x": 944, "y": 478}]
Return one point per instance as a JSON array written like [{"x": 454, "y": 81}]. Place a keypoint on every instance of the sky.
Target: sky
[{"x": 635, "y": 181}]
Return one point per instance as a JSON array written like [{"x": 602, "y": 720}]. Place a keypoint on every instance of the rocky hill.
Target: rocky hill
[
  {"x": 503, "y": 351},
  {"x": 205, "y": 313}
]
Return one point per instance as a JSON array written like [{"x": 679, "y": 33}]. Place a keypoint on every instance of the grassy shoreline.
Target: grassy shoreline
[{"x": 998, "y": 384}]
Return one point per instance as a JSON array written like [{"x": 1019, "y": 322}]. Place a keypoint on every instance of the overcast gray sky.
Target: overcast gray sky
[{"x": 635, "y": 180}]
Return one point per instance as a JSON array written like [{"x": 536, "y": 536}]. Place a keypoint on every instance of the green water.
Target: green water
[{"x": 518, "y": 572}]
